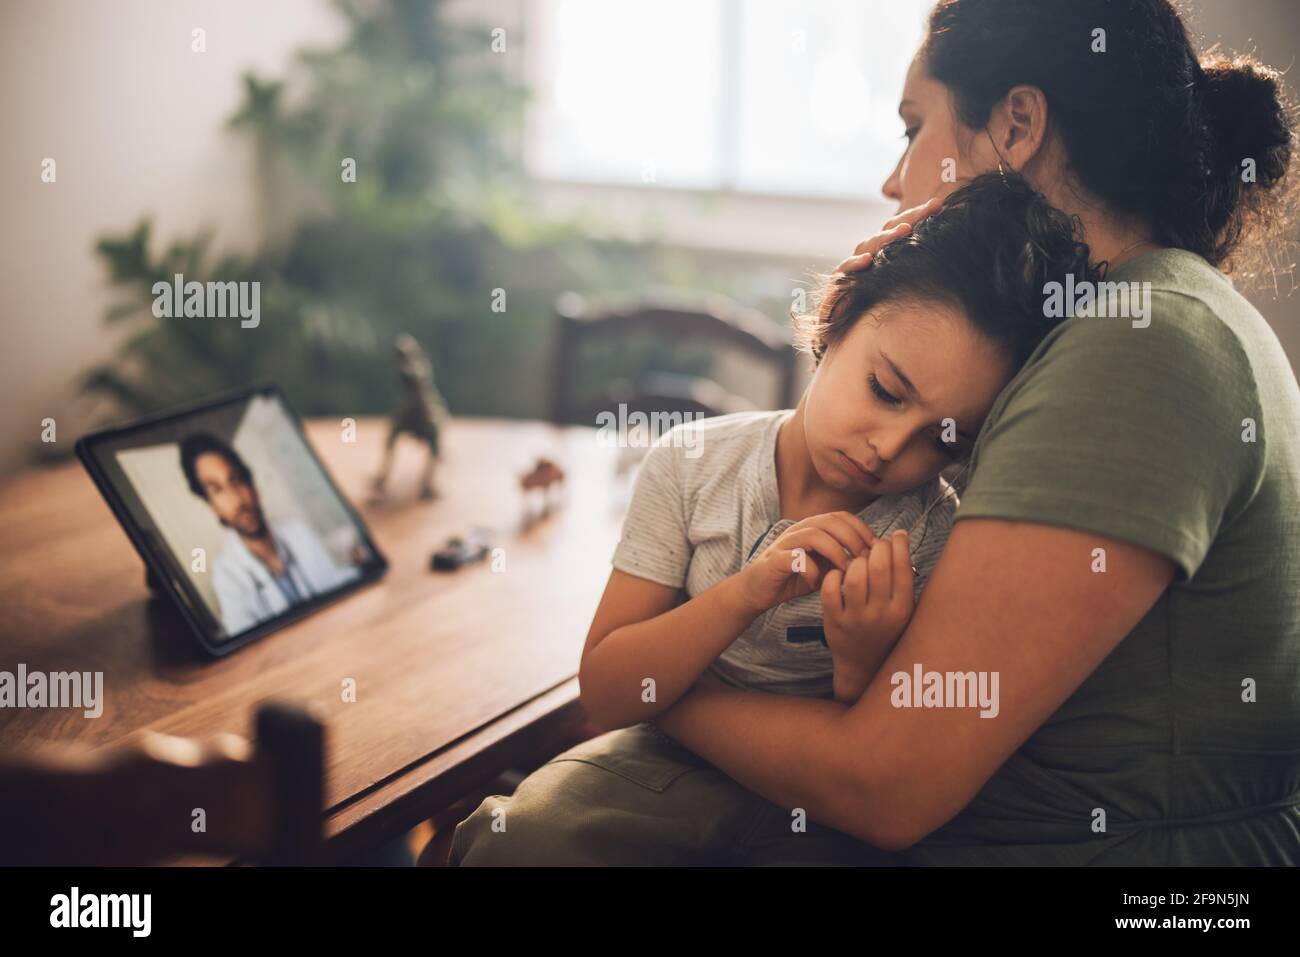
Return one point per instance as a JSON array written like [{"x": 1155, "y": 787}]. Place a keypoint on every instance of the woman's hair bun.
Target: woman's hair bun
[
  {"x": 1247, "y": 128},
  {"x": 1242, "y": 103}
]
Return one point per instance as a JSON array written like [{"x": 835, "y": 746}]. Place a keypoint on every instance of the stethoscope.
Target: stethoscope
[{"x": 290, "y": 563}]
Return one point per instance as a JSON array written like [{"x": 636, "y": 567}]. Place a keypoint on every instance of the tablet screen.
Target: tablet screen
[{"x": 236, "y": 511}]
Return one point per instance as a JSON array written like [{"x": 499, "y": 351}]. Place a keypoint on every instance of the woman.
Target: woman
[{"x": 1123, "y": 564}]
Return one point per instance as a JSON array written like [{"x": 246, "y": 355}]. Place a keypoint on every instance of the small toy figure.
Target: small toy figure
[
  {"x": 461, "y": 551},
  {"x": 544, "y": 476},
  {"x": 421, "y": 413}
]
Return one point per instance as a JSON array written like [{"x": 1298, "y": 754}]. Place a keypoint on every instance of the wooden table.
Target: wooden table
[{"x": 457, "y": 675}]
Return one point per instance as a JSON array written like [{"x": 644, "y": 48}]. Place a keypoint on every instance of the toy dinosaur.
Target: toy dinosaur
[{"x": 420, "y": 413}]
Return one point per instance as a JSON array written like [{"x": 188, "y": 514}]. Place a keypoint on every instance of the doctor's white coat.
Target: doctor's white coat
[{"x": 247, "y": 591}]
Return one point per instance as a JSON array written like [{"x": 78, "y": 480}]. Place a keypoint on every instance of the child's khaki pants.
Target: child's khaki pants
[{"x": 636, "y": 797}]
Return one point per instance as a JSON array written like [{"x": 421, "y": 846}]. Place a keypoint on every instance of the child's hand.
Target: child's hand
[
  {"x": 794, "y": 564},
  {"x": 865, "y": 610}
]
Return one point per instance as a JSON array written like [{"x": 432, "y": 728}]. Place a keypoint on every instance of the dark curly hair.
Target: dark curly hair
[
  {"x": 200, "y": 443},
  {"x": 989, "y": 252},
  {"x": 1150, "y": 129}
]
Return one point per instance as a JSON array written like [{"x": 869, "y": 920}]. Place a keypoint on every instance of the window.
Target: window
[{"x": 763, "y": 96}]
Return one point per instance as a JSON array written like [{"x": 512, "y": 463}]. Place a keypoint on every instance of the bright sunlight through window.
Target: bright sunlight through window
[{"x": 763, "y": 96}]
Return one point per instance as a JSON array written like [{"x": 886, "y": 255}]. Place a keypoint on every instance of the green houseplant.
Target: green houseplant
[{"x": 393, "y": 200}]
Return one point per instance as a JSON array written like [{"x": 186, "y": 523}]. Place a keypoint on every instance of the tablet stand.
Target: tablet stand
[{"x": 153, "y": 583}]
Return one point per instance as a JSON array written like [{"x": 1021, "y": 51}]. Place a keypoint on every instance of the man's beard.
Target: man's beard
[{"x": 259, "y": 531}]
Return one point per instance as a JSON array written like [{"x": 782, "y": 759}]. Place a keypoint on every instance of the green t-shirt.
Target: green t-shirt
[{"x": 1141, "y": 434}]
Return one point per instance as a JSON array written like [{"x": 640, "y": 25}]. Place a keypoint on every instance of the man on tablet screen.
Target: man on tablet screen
[{"x": 264, "y": 567}]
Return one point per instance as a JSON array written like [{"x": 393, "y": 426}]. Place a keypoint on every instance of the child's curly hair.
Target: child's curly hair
[{"x": 989, "y": 252}]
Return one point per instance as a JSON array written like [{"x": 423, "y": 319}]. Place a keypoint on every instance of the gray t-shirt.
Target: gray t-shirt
[{"x": 706, "y": 502}]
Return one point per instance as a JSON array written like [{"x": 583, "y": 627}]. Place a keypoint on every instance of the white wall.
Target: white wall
[{"x": 136, "y": 124}]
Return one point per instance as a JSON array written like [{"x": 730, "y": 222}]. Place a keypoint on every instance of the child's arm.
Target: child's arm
[
  {"x": 640, "y": 634},
  {"x": 644, "y": 651}
]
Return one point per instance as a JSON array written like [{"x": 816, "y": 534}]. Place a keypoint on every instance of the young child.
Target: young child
[
  {"x": 793, "y": 535},
  {"x": 785, "y": 552}
]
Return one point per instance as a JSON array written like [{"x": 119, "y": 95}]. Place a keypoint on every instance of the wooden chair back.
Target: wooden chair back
[
  {"x": 713, "y": 321},
  {"x": 167, "y": 797}
]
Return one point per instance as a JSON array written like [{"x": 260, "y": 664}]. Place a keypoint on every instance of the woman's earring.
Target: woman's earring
[{"x": 1001, "y": 171}]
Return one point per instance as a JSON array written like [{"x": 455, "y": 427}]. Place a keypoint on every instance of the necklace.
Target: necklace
[
  {"x": 1118, "y": 259},
  {"x": 948, "y": 489}
]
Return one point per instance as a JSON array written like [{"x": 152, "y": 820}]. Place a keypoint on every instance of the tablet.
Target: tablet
[{"x": 235, "y": 517}]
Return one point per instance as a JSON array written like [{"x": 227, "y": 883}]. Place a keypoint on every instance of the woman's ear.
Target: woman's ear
[{"x": 1018, "y": 126}]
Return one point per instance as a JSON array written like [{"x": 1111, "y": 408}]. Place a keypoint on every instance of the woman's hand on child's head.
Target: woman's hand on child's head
[
  {"x": 865, "y": 609},
  {"x": 795, "y": 564},
  {"x": 900, "y": 225}
]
